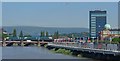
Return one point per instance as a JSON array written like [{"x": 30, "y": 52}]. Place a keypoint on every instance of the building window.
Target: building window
[
  {"x": 93, "y": 22},
  {"x": 93, "y": 27},
  {"x": 98, "y": 15},
  {"x": 93, "y": 34},
  {"x": 93, "y": 18}
]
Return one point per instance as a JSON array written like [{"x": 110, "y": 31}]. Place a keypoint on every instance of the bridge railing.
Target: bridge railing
[{"x": 115, "y": 47}]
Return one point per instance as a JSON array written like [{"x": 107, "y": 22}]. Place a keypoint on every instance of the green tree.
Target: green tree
[
  {"x": 4, "y": 35},
  {"x": 116, "y": 40},
  {"x": 14, "y": 33},
  {"x": 47, "y": 34},
  {"x": 21, "y": 34},
  {"x": 42, "y": 33},
  {"x": 56, "y": 35}
]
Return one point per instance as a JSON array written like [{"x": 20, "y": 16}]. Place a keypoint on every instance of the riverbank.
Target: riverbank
[
  {"x": 86, "y": 53},
  {"x": 67, "y": 52}
]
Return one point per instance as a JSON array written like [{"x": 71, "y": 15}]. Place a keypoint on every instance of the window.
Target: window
[
  {"x": 98, "y": 14},
  {"x": 93, "y": 18},
  {"x": 93, "y": 30},
  {"x": 92, "y": 34},
  {"x": 93, "y": 27},
  {"x": 93, "y": 22}
]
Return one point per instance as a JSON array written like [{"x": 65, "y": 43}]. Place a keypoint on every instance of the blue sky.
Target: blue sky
[
  {"x": 47, "y": 14},
  {"x": 0, "y": 14},
  {"x": 59, "y": 0}
]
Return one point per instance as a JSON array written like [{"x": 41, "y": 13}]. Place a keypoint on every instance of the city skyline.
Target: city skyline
[{"x": 55, "y": 14}]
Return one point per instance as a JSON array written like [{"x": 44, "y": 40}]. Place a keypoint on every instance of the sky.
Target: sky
[
  {"x": 0, "y": 14},
  {"x": 59, "y": 0},
  {"x": 55, "y": 14}
]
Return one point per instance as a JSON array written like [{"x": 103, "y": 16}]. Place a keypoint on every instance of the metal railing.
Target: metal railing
[{"x": 103, "y": 46}]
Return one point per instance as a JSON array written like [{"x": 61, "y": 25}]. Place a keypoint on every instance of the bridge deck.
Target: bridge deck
[
  {"x": 103, "y": 51},
  {"x": 23, "y": 41}
]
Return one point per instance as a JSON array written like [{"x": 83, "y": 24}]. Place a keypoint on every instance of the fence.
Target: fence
[{"x": 115, "y": 47}]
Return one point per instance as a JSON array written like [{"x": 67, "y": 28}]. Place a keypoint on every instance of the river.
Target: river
[{"x": 34, "y": 53}]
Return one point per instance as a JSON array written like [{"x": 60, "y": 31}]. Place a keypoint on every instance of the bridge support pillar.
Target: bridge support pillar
[
  {"x": 4, "y": 43},
  {"x": 22, "y": 43},
  {"x": 38, "y": 43}
]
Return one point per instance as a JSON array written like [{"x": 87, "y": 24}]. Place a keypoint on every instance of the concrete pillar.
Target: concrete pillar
[
  {"x": 22, "y": 43},
  {"x": 38, "y": 43},
  {"x": 4, "y": 43}
]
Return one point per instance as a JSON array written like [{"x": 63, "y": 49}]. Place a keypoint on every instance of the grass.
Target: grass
[{"x": 63, "y": 51}]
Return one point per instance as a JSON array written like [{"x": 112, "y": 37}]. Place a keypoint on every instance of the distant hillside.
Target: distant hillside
[{"x": 36, "y": 30}]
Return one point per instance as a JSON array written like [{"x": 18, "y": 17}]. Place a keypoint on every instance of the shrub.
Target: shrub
[{"x": 116, "y": 40}]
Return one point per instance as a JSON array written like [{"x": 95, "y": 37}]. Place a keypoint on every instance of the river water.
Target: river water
[{"x": 33, "y": 53}]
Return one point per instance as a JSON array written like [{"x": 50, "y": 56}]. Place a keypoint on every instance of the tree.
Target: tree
[
  {"x": 47, "y": 34},
  {"x": 116, "y": 40},
  {"x": 21, "y": 34},
  {"x": 56, "y": 35},
  {"x": 4, "y": 35},
  {"x": 42, "y": 33},
  {"x": 14, "y": 33}
]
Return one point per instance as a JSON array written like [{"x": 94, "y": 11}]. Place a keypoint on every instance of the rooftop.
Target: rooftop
[{"x": 114, "y": 29}]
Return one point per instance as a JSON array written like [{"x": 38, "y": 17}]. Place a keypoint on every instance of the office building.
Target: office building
[{"x": 97, "y": 21}]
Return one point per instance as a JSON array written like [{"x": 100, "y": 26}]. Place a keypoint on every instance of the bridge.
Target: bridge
[
  {"x": 26, "y": 43},
  {"x": 22, "y": 43},
  {"x": 92, "y": 50},
  {"x": 97, "y": 51}
]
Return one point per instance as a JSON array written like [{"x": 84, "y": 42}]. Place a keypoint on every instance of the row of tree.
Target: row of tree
[
  {"x": 56, "y": 34},
  {"x": 42, "y": 34},
  {"x": 14, "y": 34}
]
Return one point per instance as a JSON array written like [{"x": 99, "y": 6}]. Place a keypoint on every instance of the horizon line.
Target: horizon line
[
  {"x": 59, "y": 0},
  {"x": 41, "y": 26}
]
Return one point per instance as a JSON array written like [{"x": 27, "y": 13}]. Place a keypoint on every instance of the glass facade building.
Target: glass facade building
[{"x": 97, "y": 21}]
